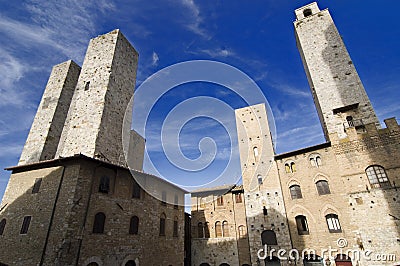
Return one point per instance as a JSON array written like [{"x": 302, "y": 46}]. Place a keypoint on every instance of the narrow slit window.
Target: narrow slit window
[
  {"x": 36, "y": 186},
  {"x": 25, "y": 225},
  {"x": 2, "y": 226},
  {"x": 134, "y": 226}
]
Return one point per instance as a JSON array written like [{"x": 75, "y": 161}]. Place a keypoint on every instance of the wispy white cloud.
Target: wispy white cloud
[
  {"x": 194, "y": 24},
  {"x": 218, "y": 52},
  {"x": 290, "y": 90},
  {"x": 10, "y": 150},
  {"x": 155, "y": 59}
]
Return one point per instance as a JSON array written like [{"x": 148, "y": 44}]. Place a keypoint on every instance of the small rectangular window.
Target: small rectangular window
[
  {"x": 175, "y": 229},
  {"x": 265, "y": 211},
  {"x": 36, "y": 186},
  {"x": 25, "y": 225},
  {"x": 238, "y": 198},
  {"x": 104, "y": 186},
  {"x": 220, "y": 201}
]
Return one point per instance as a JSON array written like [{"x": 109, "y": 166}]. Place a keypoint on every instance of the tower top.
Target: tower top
[{"x": 307, "y": 10}]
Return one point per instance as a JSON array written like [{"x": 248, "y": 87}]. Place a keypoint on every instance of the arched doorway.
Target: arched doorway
[
  {"x": 343, "y": 260},
  {"x": 272, "y": 261},
  {"x": 268, "y": 237},
  {"x": 313, "y": 260},
  {"x": 224, "y": 264},
  {"x": 204, "y": 264}
]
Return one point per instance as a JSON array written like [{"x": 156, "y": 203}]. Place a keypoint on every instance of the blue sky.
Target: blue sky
[{"x": 256, "y": 37}]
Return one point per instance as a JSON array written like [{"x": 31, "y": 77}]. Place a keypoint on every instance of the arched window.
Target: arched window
[
  {"x": 104, "y": 186},
  {"x": 333, "y": 223},
  {"x": 200, "y": 230},
  {"x": 242, "y": 231},
  {"x": 260, "y": 180},
  {"x": 2, "y": 226},
  {"x": 302, "y": 225},
  {"x": 255, "y": 151},
  {"x": 307, "y": 12},
  {"x": 295, "y": 192},
  {"x": 377, "y": 176},
  {"x": 98, "y": 224},
  {"x": 315, "y": 160},
  {"x": 323, "y": 187},
  {"x": 130, "y": 263},
  {"x": 202, "y": 203},
  {"x": 206, "y": 230},
  {"x": 218, "y": 229},
  {"x": 225, "y": 229},
  {"x": 272, "y": 261},
  {"x": 93, "y": 264},
  {"x": 175, "y": 228},
  {"x": 162, "y": 224},
  {"x": 292, "y": 167},
  {"x": 287, "y": 168},
  {"x": 268, "y": 237},
  {"x": 134, "y": 225}
]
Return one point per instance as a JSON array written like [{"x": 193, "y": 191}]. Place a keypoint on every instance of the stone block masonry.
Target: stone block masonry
[
  {"x": 104, "y": 89},
  {"x": 49, "y": 121}
]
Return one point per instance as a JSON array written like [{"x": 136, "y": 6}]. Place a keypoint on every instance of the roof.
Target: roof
[
  {"x": 303, "y": 150},
  {"x": 219, "y": 189},
  {"x": 58, "y": 161}
]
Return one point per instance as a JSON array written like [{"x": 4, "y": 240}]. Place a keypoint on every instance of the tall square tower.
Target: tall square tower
[
  {"x": 105, "y": 86},
  {"x": 338, "y": 92}
]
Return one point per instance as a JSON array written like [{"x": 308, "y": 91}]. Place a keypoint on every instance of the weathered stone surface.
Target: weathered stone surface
[{"x": 48, "y": 124}]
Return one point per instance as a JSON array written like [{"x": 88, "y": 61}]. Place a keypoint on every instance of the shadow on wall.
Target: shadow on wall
[
  {"x": 374, "y": 156},
  {"x": 212, "y": 247}
]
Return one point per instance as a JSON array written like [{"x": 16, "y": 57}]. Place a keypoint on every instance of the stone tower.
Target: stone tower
[
  {"x": 48, "y": 124},
  {"x": 103, "y": 91},
  {"x": 255, "y": 144},
  {"x": 338, "y": 93},
  {"x": 265, "y": 211}
]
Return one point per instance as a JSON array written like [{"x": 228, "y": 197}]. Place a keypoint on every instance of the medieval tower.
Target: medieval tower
[
  {"x": 338, "y": 92},
  {"x": 72, "y": 200}
]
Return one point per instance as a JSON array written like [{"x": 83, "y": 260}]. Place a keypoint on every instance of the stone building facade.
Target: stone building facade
[
  {"x": 337, "y": 200},
  {"x": 72, "y": 200},
  {"x": 219, "y": 227}
]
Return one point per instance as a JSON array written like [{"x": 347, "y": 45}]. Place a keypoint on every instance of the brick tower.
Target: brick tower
[{"x": 337, "y": 90}]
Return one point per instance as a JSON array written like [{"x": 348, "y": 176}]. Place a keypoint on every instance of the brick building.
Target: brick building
[{"x": 340, "y": 194}]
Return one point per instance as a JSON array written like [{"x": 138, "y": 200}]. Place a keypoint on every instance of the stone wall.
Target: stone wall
[
  {"x": 105, "y": 86},
  {"x": 44, "y": 136}
]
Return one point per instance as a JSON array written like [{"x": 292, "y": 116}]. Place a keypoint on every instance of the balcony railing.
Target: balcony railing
[{"x": 353, "y": 123}]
